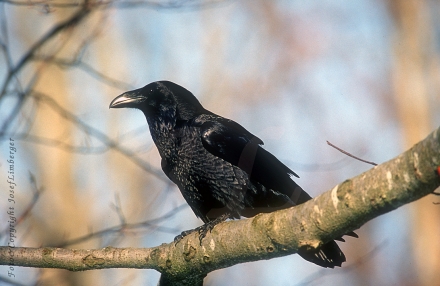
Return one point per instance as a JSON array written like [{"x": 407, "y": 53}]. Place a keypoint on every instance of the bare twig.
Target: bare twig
[
  {"x": 112, "y": 144},
  {"x": 57, "y": 143},
  {"x": 78, "y": 63},
  {"x": 25, "y": 214},
  {"x": 72, "y": 21},
  {"x": 348, "y": 154},
  {"x": 14, "y": 70},
  {"x": 76, "y": 60},
  {"x": 172, "y": 5},
  {"x": 124, "y": 227},
  {"x": 118, "y": 209}
]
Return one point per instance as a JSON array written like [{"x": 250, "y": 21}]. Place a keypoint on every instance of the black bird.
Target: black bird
[{"x": 220, "y": 168}]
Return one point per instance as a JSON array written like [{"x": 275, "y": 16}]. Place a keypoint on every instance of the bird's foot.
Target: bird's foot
[
  {"x": 179, "y": 237},
  {"x": 203, "y": 229}
]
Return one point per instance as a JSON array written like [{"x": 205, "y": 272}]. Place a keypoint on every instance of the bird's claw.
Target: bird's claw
[
  {"x": 202, "y": 230},
  {"x": 179, "y": 237}
]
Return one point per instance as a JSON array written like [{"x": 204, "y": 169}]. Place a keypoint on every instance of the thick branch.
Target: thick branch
[{"x": 346, "y": 207}]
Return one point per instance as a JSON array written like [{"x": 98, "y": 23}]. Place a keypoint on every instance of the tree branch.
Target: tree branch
[
  {"x": 346, "y": 207},
  {"x": 72, "y": 21}
]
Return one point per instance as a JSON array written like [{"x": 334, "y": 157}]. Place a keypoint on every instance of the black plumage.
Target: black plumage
[{"x": 220, "y": 168}]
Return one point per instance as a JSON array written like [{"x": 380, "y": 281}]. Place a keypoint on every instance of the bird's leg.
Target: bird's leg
[{"x": 203, "y": 229}]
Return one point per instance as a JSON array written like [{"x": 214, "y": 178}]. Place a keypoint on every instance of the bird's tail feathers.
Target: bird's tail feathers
[{"x": 329, "y": 255}]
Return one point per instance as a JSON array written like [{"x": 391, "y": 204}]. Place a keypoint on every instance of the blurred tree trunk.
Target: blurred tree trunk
[{"x": 413, "y": 83}]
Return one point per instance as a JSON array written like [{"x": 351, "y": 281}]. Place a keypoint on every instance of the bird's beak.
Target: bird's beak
[{"x": 128, "y": 99}]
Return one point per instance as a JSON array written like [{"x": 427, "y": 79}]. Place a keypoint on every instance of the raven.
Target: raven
[{"x": 220, "y": 168}]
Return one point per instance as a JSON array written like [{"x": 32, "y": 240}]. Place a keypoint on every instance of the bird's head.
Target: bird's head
[{"x": 160, "y": 97}]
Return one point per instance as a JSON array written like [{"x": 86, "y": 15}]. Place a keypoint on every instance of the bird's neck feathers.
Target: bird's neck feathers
[{"x": 161, "y": 122}]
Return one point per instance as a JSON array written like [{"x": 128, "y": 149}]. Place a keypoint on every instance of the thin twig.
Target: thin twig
[
  {"x": 99, "y": 135},
  {"x": 129, "y": 226},
  {"x": 14, "y": 70},
  {"x": 26, "y": 213},
  {"x": 171, "y": 5},
  {"x": 348, "y": 154},
  {"x": 72, "y": 21}
]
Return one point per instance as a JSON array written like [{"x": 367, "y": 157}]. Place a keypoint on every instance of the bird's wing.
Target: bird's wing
[
  {"x": 227, "y": 139},
  {"x": 233, "y": 143}
]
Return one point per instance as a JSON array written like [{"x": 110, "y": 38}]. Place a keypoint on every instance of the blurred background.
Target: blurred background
[{"x": 364, "y": 75}]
